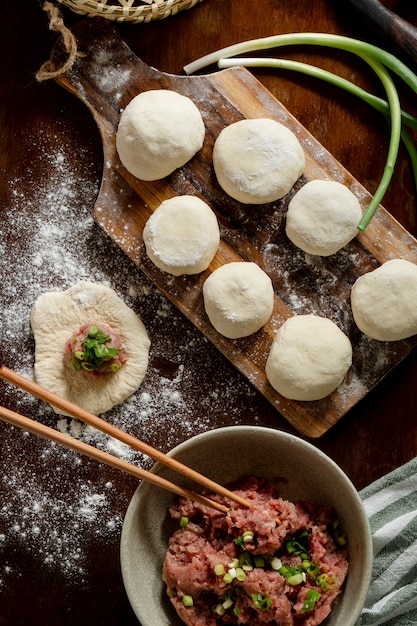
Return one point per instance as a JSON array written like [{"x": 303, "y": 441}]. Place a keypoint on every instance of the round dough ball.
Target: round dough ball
[
  {"x": 159, "y": 131},
  {"x": 57, "y": 315},
  {"x": 323, "y": 217},
  {"x": 257, "y": 161},
  {"x": 182, "y": 235},
  {"x": 238, "y": 299},
  {"x": 309, "y": 358},
  {"x": 384, "y": 301}
]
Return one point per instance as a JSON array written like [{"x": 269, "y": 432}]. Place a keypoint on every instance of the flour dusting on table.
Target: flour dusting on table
[{"x": 52, "y": 501}]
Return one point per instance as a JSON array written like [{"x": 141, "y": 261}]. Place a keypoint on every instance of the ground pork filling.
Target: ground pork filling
[
  {"x": 94, "y": 350},
  {"x": 277, "y": 563}
]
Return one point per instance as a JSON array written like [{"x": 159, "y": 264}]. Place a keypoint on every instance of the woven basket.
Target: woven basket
[{"x": 133, "y": 11}]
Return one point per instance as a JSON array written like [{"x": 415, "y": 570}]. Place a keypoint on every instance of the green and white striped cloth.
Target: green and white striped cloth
[{"x": 391, "y": 505}]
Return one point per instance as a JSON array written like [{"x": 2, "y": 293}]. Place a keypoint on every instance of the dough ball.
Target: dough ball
[
  {"x": 323, "y": 217},
  {"x": 57, "y": 315},
  {"x": 309, "y": 358},
  {"x": 384, "y": 301},
  {"x": 257, "y": 161},
  {"x": 238, "y": 299},
  {"x": 182, "y": 235},
  {"x": 159, "y": 131}
]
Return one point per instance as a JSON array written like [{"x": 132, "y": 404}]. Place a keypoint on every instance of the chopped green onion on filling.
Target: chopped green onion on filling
[
  {"x": 259, "y": 560},
  {"x": 326, "y": 582},
  {"x": 338, "y": 534},
  {"x": 95, "y": 354},
  {"x": 307, "y": 571},
  {"x": 219, "y": 569},
  {"x": 312, "y": 596},
  {"x": 296, "y": 579},
  {"x": 261, "y": 602},
  {"x": 299, "y": 544},
  {"x": 247, "y": 536}
]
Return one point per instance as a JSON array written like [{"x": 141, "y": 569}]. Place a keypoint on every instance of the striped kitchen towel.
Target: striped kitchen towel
[{"x": 391, "y": 505}]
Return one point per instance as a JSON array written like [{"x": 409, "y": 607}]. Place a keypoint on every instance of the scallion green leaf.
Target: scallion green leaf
[
  {"x": 356, "y": 46},
  {"x": 379, "y": 104}
]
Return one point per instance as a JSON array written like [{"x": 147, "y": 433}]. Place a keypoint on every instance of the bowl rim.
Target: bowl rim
[{"x": 198, "y": 439}]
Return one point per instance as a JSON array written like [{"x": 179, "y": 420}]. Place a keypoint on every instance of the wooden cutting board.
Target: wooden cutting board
[{"x": 106, "y": 76}]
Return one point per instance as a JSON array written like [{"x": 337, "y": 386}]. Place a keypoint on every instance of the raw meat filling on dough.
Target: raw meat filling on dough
[
  {"x": 58, "y": 315},
  {"x": 95, "y": 350}
]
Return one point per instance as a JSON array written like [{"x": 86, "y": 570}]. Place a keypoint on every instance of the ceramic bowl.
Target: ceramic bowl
[{"x": 224, "y": 455}]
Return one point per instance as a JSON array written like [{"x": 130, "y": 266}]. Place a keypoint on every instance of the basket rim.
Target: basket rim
[{"x": 154, "y": 6}]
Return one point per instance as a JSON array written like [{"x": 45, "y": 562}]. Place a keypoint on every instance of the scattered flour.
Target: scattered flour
[
  {"x": 53, "y": 502},
  {"x": 107, "y": 78}
]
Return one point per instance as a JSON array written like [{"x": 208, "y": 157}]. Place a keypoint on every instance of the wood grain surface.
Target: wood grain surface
[
  {"x": 303, "y": 283},
  {"x": 60, "y": 515}
]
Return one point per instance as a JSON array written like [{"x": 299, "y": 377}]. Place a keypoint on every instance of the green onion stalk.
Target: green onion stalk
[{"x": 378, "y": 59}]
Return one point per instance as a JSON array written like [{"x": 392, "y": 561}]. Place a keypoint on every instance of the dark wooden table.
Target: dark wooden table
[{"x": 61, "y": 515}]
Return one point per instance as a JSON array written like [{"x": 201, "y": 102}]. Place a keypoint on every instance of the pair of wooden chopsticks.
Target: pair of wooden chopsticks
[{"x": 67, "y": 441}]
